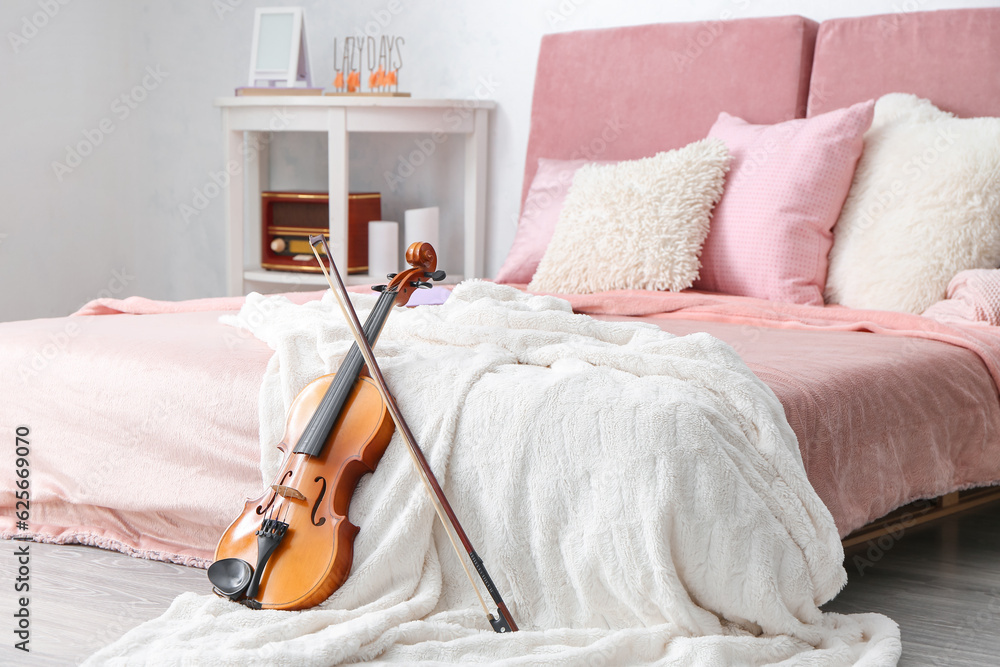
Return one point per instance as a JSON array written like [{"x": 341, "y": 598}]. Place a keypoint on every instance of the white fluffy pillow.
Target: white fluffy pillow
[
  {"x": 924, "y": 205},
  {"x": 638, "y": 224}
]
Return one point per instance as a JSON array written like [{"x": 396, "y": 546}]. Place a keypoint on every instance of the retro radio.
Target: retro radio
[{"x": 289, "y": 218}]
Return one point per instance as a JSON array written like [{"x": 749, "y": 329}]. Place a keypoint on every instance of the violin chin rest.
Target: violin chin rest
[{"x": 230, "y": 576}]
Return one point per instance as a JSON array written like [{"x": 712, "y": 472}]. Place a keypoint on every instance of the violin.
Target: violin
[{"x": 293, "y": 546}]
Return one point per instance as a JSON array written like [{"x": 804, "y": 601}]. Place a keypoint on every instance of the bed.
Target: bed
[
  {"x": 866, "y": 452},
  {"x": 144, "y": 415}
]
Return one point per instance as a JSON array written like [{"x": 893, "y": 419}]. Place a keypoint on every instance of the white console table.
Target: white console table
[{"x": 338, "y": 117}]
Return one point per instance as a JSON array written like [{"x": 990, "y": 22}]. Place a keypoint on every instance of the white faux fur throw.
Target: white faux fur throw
[{"x": 638, "y": 498}]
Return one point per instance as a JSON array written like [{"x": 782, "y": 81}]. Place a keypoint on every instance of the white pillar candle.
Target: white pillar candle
[
  {"x": 383, "y": 248},
  {"x": 421, "y": 224}
]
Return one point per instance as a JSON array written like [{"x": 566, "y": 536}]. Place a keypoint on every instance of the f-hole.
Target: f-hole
[
  {"x": 319, "y": 499},
  {"x": 262, "y": 509}
]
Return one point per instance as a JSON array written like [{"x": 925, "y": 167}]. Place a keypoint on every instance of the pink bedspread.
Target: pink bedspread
[
  {"x": 144, "y": 425},
  {"x": 882, "y": 420},
  {"x": 143, "y": 429},
  {"x": 983, "y": 341}
]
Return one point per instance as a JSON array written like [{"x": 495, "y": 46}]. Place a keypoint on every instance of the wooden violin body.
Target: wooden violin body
[
  {"x": 319, "y": 537},
  {"x": 293, "y": 546}
]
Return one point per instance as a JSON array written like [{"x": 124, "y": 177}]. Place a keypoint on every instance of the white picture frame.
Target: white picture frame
[{"x": 278, "y": 54}]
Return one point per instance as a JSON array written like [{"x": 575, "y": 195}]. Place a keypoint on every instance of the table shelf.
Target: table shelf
[{"x": 247, "y": 160}]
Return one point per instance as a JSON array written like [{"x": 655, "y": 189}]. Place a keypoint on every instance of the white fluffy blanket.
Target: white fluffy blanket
[{"x": 637, "y": 497}]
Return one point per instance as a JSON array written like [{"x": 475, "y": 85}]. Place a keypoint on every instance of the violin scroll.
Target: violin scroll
[
  {"x": 421, "y": 256},
  {"x": 423, "y": 261}
]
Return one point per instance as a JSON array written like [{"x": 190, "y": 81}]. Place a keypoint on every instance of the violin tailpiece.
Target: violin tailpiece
[{"x": 269, "y": 536}]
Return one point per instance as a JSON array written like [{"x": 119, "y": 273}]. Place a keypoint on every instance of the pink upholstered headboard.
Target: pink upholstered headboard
[
  {"x": 626, "y": 93},
  {"x": 951, "y": 57}
]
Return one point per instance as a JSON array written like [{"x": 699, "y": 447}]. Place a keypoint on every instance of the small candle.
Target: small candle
[
  {"x": 421, "y": 224},
  {"x": 383, "y": 248}
]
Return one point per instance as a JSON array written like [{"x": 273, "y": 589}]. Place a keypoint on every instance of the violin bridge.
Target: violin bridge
[{"x": 287, "y": 491}]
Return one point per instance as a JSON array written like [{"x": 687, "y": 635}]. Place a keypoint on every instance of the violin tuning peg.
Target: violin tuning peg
[
  {"x": 437, "y": 275},
  {"x": 390, "y": 276},
  {"x": 378, "y": 288}
]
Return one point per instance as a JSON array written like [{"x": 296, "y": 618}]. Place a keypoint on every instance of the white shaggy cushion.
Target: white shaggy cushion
[
  {"x": 638, "y": 224},
  {"x": 924, "y": 205}
]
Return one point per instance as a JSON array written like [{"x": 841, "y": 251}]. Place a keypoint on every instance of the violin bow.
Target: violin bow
[{"x": 505, "y": 622}]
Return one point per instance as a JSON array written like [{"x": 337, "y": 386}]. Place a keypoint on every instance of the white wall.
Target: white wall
[{"x": 113, "y": 225}]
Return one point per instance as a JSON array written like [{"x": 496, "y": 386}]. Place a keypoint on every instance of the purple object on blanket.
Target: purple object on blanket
[{"x": 434, "y": 296}]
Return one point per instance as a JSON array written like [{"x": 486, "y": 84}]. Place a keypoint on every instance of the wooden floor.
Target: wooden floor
[
  {"x": 83, "y": 598},
  {"x": 940, "y": 582}
]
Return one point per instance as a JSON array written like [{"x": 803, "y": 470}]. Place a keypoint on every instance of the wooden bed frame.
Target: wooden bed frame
[{"x": 896, "y": 523}]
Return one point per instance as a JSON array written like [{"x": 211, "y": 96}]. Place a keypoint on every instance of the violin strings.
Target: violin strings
[
  {"x": 420, "y": 471},
  {"x": 327, "y": 409}
]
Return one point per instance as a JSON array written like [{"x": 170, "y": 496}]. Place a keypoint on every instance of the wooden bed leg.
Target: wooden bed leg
[{"x": 949, "y": 499}]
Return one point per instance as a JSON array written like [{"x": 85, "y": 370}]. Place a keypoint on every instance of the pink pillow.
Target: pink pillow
[
  {"x": 538, "y": 218},
  {"x": 771, "y": 233}
]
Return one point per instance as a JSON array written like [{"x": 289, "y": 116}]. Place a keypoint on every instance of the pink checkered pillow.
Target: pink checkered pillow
[
  {"x": 973, "y": 296},
  {"x": 771, "y": 233}
]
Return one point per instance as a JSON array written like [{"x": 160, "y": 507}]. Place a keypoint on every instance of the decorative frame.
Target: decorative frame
[{"x": 279, "y": 52}]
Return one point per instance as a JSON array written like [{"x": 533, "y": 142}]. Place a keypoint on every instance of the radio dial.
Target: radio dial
[{"x": 278, "y": 245}]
